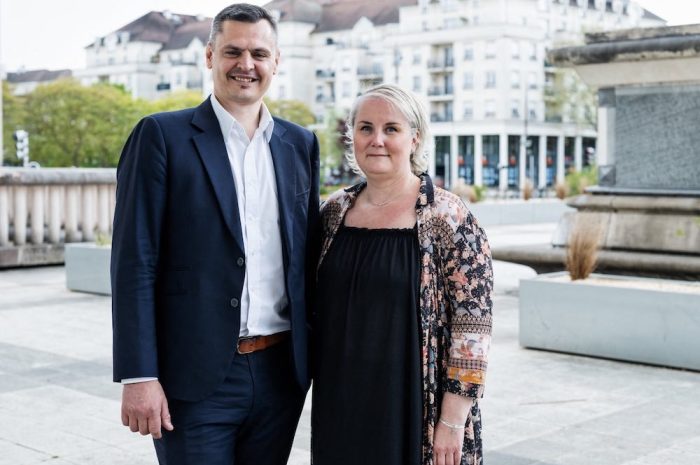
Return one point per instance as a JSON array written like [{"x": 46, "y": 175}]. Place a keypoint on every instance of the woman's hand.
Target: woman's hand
[
  {"x": 447, "y": 445},
  {"x": 449, "y": 429}
]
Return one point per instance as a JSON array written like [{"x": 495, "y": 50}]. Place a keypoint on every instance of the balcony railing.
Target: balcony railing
[
  {"x": 325, "y": 98},
  {"x": 441, "y": 63},
  {"x": 55, "y": 205},
  {"x": 440, "y": 91},
  {"x": 440, "y": 118},
  {"x": 373, "y": 70},
  {"x": 325, "y": 74}
]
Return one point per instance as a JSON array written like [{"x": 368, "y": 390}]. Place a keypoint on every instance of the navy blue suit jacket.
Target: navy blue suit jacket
[{"x": 177, "y": 245}]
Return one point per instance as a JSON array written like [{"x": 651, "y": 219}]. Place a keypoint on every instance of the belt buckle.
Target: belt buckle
[{"x": 238, "y": 345}]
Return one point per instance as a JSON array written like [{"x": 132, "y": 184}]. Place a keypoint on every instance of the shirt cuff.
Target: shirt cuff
[{"x": 138, "y": 380}]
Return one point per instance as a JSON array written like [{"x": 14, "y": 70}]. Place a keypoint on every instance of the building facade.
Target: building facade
[
  {"x": 479, "y": 65},
  {"x": 154, "y": 55}
]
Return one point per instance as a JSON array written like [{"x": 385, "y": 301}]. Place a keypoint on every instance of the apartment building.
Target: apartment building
[
  {"x": 479, "y": 65},
  {"x": 158, "y": 53}
]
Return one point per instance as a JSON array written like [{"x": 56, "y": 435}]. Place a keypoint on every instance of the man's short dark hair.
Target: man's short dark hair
[{"x": 243, "y": 12}]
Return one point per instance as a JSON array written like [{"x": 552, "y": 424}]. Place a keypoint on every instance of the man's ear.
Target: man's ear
[
  {"x": 208, "y": 52},
  {"x": 277, "y": 61}
]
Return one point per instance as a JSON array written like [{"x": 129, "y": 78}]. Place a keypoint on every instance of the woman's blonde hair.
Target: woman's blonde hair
[{"x": 410, "y": 107}]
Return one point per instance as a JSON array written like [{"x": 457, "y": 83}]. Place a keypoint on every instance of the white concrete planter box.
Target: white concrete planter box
[
  {"x": 87, "y": 268},
  {"x": 496, "y": 213},
  {"x": 643, "y": 320}
]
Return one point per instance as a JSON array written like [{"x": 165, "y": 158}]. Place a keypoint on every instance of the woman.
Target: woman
[{"x": 404, "y": 304}]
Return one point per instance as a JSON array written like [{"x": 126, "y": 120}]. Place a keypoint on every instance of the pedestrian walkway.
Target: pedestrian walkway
[{"x": 59, "y": 406}]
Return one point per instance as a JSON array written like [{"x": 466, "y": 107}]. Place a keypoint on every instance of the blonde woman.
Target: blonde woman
[{"x": 403, "y": 319}]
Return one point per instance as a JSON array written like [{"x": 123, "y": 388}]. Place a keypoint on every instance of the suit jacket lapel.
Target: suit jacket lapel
[
  {"x": 283, "y": 156},
  {"x": 212, "y": 150}
]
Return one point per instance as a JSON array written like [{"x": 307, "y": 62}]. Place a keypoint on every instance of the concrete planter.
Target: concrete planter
[
  {"x": 87, "y": 268},
  {"x": 496, "y": 213},
  {"x": 643, "y": 320}
]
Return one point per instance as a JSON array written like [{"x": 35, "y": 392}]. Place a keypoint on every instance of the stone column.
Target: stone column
[
  {"x": 522, "y": 161},
  {"x": 561, "y": 173},
  {"x": 542, "y": 163},
  {"x": 4, "y": 217},
  {"x": 452, "y": 174},
  {"x": 37, "y": 215},
  {"x": 503, "y": 163},
  {"x": 87, "y": 222},
  {"x": 478, "y": 160},
  {"x": 103, "y": 209},
  {"x": 54, "y": 211},
  {"x": 71, "y": 219},
  {"x": 20, "y": 222}
]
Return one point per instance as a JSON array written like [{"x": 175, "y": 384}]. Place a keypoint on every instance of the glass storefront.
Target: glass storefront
[
  {"x": 489, "y": 160},
  {"x": 465, "y": 158},
  {"x": 513, "y": 162},
  {"x": 442, "y": 161},
  {"x": 551, "y": 160}
]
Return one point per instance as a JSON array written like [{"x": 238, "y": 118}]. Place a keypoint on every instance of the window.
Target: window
[
  {"x": 515, "y": 50},
  {"x": 416, "y": 84},
  {"x": 416, "y": 58},
  {"x": 515, "y": 80},
  {"x": 531, "y": 51},
  {"x": 490, "y": 109},
  {"x": 346, "y": 89},
  {"x": 490, "y": 79},
  {"x": 468, "y": 81},
  {"x": 468, "y": 111},
  {"x": 469, "y": 53},
  {"x": 490, "y": 51},
  {"x": 515, "y": 109},
  {"x": 532, "y": 81},
  {"x": 282, "y": 92},
  {"x": 532, "y": 110}
]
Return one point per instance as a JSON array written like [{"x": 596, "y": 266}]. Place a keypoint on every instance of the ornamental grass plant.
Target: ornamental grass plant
[{"x": 582, "y": 251}]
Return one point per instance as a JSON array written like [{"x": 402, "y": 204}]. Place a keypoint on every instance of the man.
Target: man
[{"x": 214, "y": 245}]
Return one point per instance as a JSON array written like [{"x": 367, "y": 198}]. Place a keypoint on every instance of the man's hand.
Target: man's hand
[{"x": 145, "y": 408}]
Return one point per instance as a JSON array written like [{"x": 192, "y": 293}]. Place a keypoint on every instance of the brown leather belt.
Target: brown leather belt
[{"x": 247, "y": 345}]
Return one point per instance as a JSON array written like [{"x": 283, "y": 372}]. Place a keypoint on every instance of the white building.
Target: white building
[
  {"x": 156, "y": 54},
  {"x": 24, "y": 82},
  {"x": 480, "y": 65}
]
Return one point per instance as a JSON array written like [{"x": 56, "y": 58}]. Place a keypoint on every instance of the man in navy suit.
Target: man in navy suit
[{"x": 213, "y": 257}]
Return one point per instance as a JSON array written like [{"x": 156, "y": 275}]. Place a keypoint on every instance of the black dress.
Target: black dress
[{"x": 367, "y": 406}]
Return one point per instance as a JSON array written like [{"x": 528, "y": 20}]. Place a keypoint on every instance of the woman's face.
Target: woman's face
[{"x": 382, "y": 139}]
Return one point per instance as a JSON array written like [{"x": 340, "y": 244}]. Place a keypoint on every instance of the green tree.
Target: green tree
[
  {"x": 73, "y": 125},
  {"x": 331, "y": 140},
  {"x": 13, "y": 118},
  {"x": 569, "y": 99},
  {"x": 291, "y": 110},
  {"x": 174, "y": 101}
]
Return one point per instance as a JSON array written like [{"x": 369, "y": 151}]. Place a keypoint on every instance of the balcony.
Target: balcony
[
  {"x": 321, "y": 98},
  {"x": 370, "y": 71},
  {"x": 441, "y": 117},
  {"x": 328, "y": 74},
  {"x": 441, "y": 65},
  {"x": 440, "y": 93}
]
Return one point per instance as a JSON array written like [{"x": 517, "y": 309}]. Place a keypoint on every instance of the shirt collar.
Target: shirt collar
[{"x": 227, "y": 121}]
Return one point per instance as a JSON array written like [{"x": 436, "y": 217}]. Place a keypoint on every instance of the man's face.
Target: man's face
[{"x": 243, "y": 59}]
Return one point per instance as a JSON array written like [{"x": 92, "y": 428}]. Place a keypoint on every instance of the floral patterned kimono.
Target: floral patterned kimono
[{"x": 455, "y": 303}]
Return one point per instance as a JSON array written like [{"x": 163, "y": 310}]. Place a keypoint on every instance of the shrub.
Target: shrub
[
  {"x": 528, "y": 189},
  {"x": 561, "y": 190},
  {"x": 468, "y": 193},
  {"x": 577, "y": 181},
  {"x": 582, "y": 251}
]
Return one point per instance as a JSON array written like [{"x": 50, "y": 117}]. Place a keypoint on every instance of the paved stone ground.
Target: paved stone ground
[{"x": 58, "y": 405}]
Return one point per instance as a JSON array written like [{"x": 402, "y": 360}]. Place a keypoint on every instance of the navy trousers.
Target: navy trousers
[{"x": 250, "y": 419}]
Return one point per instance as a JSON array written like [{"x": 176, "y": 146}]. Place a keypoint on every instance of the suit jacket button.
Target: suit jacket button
[
  {"x": 234, "y": 302},
  {"x": 240, "y": 261}
]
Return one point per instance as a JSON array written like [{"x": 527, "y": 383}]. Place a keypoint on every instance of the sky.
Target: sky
[{"x": 52, "y": 34}]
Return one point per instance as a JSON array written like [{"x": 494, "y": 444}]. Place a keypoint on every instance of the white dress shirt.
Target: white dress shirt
[{"x": 264, "y": 299}]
